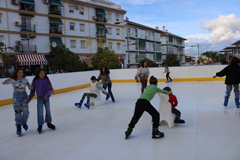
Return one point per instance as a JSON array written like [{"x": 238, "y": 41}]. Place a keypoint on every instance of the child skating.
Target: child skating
[
  {"x": 94, "y": 92},
  {"x": 174, "y": 102},
  {"x": 167, "y": 71},
  {"x": 20, "y": 98},
  {"x": 143, "y": 104},
  {"x": 232, "y": 73},
  {"x": 43, "y": 87}
]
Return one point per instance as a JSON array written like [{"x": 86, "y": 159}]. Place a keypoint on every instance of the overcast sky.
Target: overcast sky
[{"x": 214, "y": 24}]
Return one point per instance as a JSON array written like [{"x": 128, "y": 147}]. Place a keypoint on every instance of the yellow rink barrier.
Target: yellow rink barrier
[{"x": 57, "y": 91}]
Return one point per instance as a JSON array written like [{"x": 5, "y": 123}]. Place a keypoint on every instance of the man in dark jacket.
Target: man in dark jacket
[{"x": 232, "y": 73}]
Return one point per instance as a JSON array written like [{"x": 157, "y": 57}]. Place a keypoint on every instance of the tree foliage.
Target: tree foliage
[
  {"x": 105, "y": 58},
  {"x": 150, "y": 63},
  {"x": 171, "y": 60},
  {"x": 65, "y": 59},
  {"x": 210, "y": 55},
  {"x": 6, "y": 58}
]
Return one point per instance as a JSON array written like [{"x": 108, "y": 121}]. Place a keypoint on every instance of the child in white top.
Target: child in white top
[{"x": 94, "y": 92}]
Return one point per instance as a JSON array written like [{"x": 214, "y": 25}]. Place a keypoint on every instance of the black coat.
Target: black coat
[{"x": 232, "y": 73}]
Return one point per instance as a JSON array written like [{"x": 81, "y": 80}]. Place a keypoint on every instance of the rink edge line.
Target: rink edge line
[{"x": 57, "y": 91}]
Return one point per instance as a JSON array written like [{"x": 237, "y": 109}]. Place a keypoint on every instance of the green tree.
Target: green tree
[
  {"x": 105, "y": 58},
  {"x": 65, "y": 59},
  {"x": 6, "y": 58},
  {"x": 210, "y": 54},
  {"x": 171, "y": 60},
  {"x": 150, "y": 63}
]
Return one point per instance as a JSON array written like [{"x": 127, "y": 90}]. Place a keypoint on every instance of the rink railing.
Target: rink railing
[{"x": 71, "y": 81}]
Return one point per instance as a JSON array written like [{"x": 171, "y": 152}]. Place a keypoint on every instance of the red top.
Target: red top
[{"x": 173, "y": 100}]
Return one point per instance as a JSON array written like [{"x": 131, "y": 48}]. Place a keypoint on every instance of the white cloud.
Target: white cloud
[
  {"x": 205, "y": 45},
  {"x": 223, "y": 28}
]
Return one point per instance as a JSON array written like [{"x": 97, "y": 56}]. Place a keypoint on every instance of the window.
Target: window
[
  {"x": 26, "y": 24},
  {"x": 82, "y": 27},
  {"x": 118, "y": 31},
  {"x": 110, "y": 30},
  {"x": 82, "y": 44},
  {"x": 110, "y": 44},
  {"x": 117, "y": 17},
  {"x": 109, "y": 15},
  {"x": 118, "y": 46},
  {"x": 81, "y": 10},
  {"x": 1, "y": 38},
  {"x": 73, "y": 43},
  {"x": 71, "y": 8},
  {"x": 1, "y": 17},
  {"x": 72, "y": 26}
]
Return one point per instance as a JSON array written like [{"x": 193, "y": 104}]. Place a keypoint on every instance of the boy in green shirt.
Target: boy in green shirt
[{"x": 143, "y": 104}]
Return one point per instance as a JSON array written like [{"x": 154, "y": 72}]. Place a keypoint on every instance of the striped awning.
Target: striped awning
[
  {"x": 1, "y": 61},
  {"x": 24, "y": 60}
]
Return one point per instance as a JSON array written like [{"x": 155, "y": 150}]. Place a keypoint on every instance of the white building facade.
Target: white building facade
[
  {"x": 142, "y": 42},
  {"x": 73, "y": 23},
  {"x": 172, "y": 44}
]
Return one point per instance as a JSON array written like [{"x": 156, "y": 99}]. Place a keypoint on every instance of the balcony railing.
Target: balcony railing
[
  {"x": 28, "y": 28},
  {"x": 27, "y": 7},
  {"x": 55, "y": 10},
  {"x": 101, "y": 18},
  {"x": 32, "y": 48},
  {"x": 56, "y": 30}
]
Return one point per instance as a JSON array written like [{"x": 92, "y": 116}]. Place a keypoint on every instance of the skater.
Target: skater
[
  {"x": 106, "y": 81},
  {"x": 94, "y": 92},
  {"x": 232, "y": 73},
  {"x": 43, "y": 87},
  {"x": 174, "y": 102},
  {"x": 143, "y": 74},
  {"x": 20, "y": 99},
  {"x": 143, "y": 104},
  {"x": 167, "y": 73}
]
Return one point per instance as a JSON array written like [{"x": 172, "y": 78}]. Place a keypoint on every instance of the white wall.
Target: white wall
[{"x": 66, "y": 80}]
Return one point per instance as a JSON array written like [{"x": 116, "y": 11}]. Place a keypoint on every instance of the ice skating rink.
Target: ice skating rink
[{"x": 211, "y": 132}]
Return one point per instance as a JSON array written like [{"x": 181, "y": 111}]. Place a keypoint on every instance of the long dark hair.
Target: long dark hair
[
  {"x": 143, "y": 64},
  {"x": 37, "y": 75},
  {"x": 107, "y": 72},
  {"x": 14, "y": 74}
]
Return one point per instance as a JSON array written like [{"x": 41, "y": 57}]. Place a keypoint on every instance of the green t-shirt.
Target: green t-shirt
[{"x": 150, "y": 92}]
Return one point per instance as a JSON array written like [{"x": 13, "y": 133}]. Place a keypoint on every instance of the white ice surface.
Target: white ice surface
[{"x": 211, "y": 132}]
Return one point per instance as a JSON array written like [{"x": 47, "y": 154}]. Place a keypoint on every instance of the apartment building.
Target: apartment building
[
  {"x": 34, "y": 26},
  {"x": 142, "y": 42},
  {"x": 172, "y": 43}
]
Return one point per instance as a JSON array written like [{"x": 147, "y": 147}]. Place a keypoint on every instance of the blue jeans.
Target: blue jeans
[
  {"x": 177, "y": 112},
  {"x": 236, "y": 91},
  {"x": 40, "y": 102},
  {"x": 109, "y": 86},
  {"x": 21, "y": 110}
]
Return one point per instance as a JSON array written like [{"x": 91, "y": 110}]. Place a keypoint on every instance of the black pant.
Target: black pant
[
  {"x": 88, "y": 96},
  {"x": 168, "y": 77},
  {"x": 141, "y": 106},
  {"x": 109, "y": 86},
  {"x": 177, "y": 112}
]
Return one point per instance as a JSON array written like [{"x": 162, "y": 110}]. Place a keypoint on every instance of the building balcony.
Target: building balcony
[
  {"x": 24, "y": 48},
  {"x": 55, "y": 30},
  {"x": 32, "y": 48},
  {"x": 28, "y": 28},
  {"x": 55, "y": 10},
  {"x": 27, "y": 7}
]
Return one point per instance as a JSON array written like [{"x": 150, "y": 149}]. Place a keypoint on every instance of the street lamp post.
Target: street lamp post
[{"x": 198, "y": 49}]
